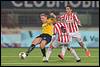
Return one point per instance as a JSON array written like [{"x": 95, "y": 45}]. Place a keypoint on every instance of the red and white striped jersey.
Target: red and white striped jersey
[
  {"x": 62, "y": 31},
  {"x": 72, "y": 21}
]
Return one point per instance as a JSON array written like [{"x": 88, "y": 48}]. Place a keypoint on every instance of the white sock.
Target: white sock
[
  {"x": 48, "y": 53},
  {"x": 63, "y": 50},
  {"x": 73, "y": 52},
  {"x": 84, "y": 46}
]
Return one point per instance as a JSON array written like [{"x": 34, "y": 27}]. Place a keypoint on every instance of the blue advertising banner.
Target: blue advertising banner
[
  {"x": 90, "y": 38},
  {"x": 26, "y": 39},
  {"x": 10, "y": 40}
]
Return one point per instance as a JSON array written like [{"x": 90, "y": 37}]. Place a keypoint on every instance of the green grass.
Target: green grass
[{"x": 9, "y": 57}]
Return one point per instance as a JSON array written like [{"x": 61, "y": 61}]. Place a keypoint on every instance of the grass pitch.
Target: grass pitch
[{"x": 9, "y": 57}]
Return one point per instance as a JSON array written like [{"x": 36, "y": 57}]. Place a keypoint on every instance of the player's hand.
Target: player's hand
[
  {"x": 52, "y": 14},
  {"x": 79, "y": 25}
]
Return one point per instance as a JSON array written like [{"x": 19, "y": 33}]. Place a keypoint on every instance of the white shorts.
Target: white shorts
[
  {"x": 56, "y": 43},
  {"x": 76, "y": 36}
]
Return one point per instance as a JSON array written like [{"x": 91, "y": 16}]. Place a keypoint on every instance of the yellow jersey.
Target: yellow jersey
[{"x": 47, "y": 27}]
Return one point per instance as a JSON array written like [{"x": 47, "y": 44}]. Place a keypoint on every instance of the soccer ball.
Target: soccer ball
[{"x": 22, "y": 55}]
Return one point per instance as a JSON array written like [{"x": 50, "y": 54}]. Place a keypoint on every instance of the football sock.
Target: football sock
[
  {"x": 43, "y": 52},
  {"x": 49, "y": 51},
  {"x": 30, "y": 49},
  {"x": 63, "y": 50},
  {"x": 73, "y": 52},
  {"x": 85, "y": 47}
]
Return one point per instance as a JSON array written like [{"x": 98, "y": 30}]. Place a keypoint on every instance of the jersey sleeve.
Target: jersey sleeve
[
  {"x": 54, "y": 34},
  {"x": 55, "y": 29},
  {"x": 61, "y": 17},
  {"x": 77, "y": 19}
]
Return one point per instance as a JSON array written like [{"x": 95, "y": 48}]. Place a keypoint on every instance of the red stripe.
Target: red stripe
[
  {"x": 72, "y": 23},
  {"x": 75, "y": 27},
  {"x": 56, "y": 27},
  {"x": 67, "y": 38},
  {"x": 62, "y": 36},
  {"x": 60, "y": 33},
  {"x": 70, "y": 27},
  {"x": 66, "y": 31},
  {"x": 66, "y": 17},
  {"x": 76, "y": 18}
]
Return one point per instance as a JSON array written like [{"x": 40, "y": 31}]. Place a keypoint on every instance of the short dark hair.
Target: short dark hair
[{"x": 69, "y": 6}]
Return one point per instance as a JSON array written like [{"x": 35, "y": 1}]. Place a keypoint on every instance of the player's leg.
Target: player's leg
[
  {"x": 81, "y": 43},
  {"x": 64, "y": 47},
  {"x": 35, "y": 42},
  {"x": 62, "y": 53},
  {"x": 87, "y": 51},
  {"x": 73, "y": 52},
  {"x": 53, "y": 45},
  {"x": 45, "y": 40},
  {"x": 43, "y": 50},
  {"x": 49, "y": 51}
]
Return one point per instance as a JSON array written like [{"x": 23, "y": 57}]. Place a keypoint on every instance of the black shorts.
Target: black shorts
[{"x": 46, "y": 37}]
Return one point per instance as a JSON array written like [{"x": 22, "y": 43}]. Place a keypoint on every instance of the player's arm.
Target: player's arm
[
  {"x": 53, "y": 38},
  {"x": 77, "y": 20},
  {"x": 52, "y": 14},
  {"x": 54, "y": 34},
  {"x": 58, "y": 18}
]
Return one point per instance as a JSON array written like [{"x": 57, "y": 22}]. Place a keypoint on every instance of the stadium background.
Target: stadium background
[{"x": 20, "y": 22}]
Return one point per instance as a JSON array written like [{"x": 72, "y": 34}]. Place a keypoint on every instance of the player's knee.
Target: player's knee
[
  {"x": 42, "y": 46},
  {"x": 33, "y": 44},
  {"x": 68, "y": 49}
]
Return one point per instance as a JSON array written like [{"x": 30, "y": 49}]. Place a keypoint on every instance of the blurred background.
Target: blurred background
[{"x": 20, "y": 22}]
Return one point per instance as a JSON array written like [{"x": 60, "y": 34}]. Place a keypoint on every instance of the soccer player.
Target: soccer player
[
  {"x": 61, "y": 31},
  {"x": 45, "y": 37},
  {"x": 73, "y": 22}
]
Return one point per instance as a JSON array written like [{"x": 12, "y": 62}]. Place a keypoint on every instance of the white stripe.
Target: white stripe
[
  {"x": 67, "y": 17},
  {"x": 57, "y": 30},
  {"x": 73, "y": 27},
  {"x": 66, "y": 32},
  {"x": 76, "y": 27},
  {"x": 73, "y": 22},
  {"x": 77, "y": 20},
  {"x": 60, "y": 32}
]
